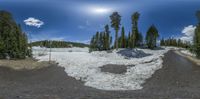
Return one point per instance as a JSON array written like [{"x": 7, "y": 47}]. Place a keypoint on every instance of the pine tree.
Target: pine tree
[
  {"x": 92, "y": 44},
  {"x": 11, "y": 35},
  {"x": 129, "y": 40},
  {"x": 107, "y": 38},
  {"x": 101, "y": 41},
  {"x": 104, "y": 40},
  {"x": 140, "y": 39},
  {"x": 151, "y": 37},
  {"x": 123, "y": 38},
  {"x": 97, "y": 41},
  {"x": 110, "y": 42},
  {"x": 135, "y": 32},
  {"x": 162, "y": 42},
  {"x": 176, "y": 43},
  {"x": 197, "y": 37},
  {"x": 115, "y": 23},
  {"x": 179, "y": 43},
  {"x": 1, "y": 46}
]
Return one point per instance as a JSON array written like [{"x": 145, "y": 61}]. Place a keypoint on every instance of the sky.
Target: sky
[{"x": 78, "y": 20}]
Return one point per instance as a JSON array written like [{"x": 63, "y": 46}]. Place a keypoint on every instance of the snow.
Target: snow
[
  {"x": 187, "y": 52},
  {"x": 40, "y": 51},
  {"x": 85, "y": 66}
]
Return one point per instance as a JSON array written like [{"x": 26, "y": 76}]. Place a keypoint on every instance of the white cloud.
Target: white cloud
[
  {"x": 189, "y": 30},
  {"x": 33, "y": 22},
  {"x": 188, "y": 33}
]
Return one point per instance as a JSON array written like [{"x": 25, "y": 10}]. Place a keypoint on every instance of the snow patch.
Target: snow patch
[
  {"x": 187, "y": 52},
  {"x": 85, "y": 66}
]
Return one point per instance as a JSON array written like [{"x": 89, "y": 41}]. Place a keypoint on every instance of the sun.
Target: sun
[{"x": 96, "y": 10}]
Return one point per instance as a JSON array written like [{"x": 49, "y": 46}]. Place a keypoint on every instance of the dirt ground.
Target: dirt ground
[
  {"x": 115, "y": 69},
  {"x": 178, "y": 79},
  {"x": 27, "y": 64}
]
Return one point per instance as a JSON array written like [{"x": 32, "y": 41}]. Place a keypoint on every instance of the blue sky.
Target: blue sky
[{"x": 78, "y": 20}]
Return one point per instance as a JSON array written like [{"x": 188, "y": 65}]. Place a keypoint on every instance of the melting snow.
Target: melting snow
[
  {"x": 187, "y": 52},
  {"x": 82, "y": 65}
]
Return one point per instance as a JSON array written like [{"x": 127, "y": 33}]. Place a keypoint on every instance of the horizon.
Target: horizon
[{"x": 78, "y": 21}]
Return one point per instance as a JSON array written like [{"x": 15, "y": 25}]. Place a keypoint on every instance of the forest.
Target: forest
[
  {"x": 103, "y": 40},
  {"x": 57, "y": 44},
  {"x": 13, "y": 41}
]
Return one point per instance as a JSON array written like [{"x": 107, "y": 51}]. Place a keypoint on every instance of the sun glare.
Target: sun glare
[{"x": 100, "y": 10}]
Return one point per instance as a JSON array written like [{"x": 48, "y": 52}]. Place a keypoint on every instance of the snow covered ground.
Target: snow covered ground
[
  {"x": 82, "y": 65},
  {"x": 187, "y": 52}
]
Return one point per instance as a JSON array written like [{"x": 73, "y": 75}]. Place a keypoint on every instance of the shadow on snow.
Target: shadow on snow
[{"x": 133, "y": 53}]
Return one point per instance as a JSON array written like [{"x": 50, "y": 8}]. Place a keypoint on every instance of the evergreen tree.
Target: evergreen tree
[
  {"x": 198, "y": 16},
  {"x": 97, "y": 41},
  {"x": 179, "y": 43},
  {"x": 107, "y": 38},
  {"x": 92, "y": 44},
  {"x": 104, "y": 40},
  {"x": 13, "y": 43},
  {"x": 115, "y": 23},
  {"x": 130, "y": 41},
  {"x": 175, "y": 43},
  {"x": 162, "y": 42},
  {"x": 57, "y": 44},
  {"x": 101, "y": 41},
  {"x": 197, "y": 37},
  {"x": 151, "y": 37},
  {"x": 123, "y": 38},
  {"x": 135, "y": 32},
  {"x": 1, "y": 46},
  {"x": 140, "y": 39},
  {"x": 119, "y": 42},
  {"x": 110, "y": 41}
]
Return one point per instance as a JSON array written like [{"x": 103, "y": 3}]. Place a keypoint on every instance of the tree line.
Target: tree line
[
  {"x": 103, "y": 40},
  {"x": 13, "y": 41},
  {"x": 57, "y": 44},
  {"x": 175, "y": 42}
]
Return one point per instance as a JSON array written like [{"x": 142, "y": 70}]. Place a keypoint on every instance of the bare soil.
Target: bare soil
[
  {"x": 115, "y": 69},
  {"x": 27, "y": 64}
]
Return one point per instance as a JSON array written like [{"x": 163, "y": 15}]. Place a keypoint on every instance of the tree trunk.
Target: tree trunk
[{"x": 116, "y": 39}]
